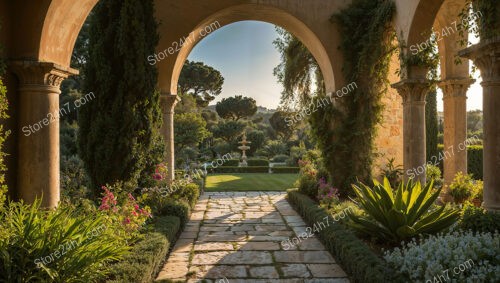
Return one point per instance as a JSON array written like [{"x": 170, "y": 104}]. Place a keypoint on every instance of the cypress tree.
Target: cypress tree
[
  {"x": 431, "y": 125},
  {"x": 119, "y": 129}
]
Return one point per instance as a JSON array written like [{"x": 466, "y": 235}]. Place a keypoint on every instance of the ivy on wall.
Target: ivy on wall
[
  {"x": 345, "y": 130},
  {"x": 481, "y": 17},
  {"x": 4, "y": 104}
]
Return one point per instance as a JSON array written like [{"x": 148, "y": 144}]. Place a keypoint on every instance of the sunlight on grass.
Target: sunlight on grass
[{"x": 250, "y": 182}]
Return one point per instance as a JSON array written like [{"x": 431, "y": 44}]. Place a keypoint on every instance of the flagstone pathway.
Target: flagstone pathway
[{"x": 238, "y": 237}]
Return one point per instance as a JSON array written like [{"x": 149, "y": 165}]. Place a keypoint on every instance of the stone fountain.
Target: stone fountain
[{"x": 243, "y": 147}]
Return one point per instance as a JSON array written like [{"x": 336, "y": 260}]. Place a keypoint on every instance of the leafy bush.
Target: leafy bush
[
  {"x": 464, "y": 187},
  {"x": 478, "y": 219},
  {"x": 475, "y": 161},
  {"x": 74, "y": 179},
  {"x": 258, "y": 162},
  {"x": 190, "y": 192},
  {"x": 284, "y": 169},
  {"x": 434, "y": 173},
  {"x": 254, "y": 169},
  {"x": 280, "y": 158},
  {"x": 231, "y": 163},
  {"x": 144, "y": 261},
  {"x": 401, "y": 215},
  {"x": 307, "y": 182},
  {"x": 428, "y": 258},
  {"x": 179, "y": 208},
  {"x": 61, "y": 245}
]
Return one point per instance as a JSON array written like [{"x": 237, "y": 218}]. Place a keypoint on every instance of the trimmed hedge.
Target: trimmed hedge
[
  {"x": 357, "y": 259},
  {"x": 279, "y": 170},
  {"x": 258, "y": 162},
  {"x": 474, "y": 160},
  {"x": 254, "y": 169},
  {"x": 145, "y": 259},
  {"x": 231, "y": 163},
  {"x": 178, "y": 208}
]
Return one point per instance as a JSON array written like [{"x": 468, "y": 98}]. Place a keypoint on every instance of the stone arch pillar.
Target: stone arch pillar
[
  {"x": 167, "y": 103},
  {"x": 486, "y": 56},
  {"x": 38, "y": 132}
]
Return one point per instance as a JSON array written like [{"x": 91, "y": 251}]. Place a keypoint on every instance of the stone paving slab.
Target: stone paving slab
[{"x": 240, "y": 237}]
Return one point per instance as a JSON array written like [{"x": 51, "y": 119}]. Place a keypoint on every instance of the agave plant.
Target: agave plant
[{"x": 401, "y": 214}]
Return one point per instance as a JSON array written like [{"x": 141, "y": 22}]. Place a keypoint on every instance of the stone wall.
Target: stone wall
[{"x": 389, "y": 140}]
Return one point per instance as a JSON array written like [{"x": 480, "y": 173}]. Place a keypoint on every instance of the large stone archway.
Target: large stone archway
[{"x": 39, "y": 37}]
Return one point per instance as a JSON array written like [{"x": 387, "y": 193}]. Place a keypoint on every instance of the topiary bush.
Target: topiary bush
[
  {"x": 231, "y": 163},
  {"x": 145, "y": 259},
  {"x": 258, "y": 162},
  {"x": 254, "y": 169},
  {"x": 427, "y": 259},
  {"x": 179, "y": 208}
]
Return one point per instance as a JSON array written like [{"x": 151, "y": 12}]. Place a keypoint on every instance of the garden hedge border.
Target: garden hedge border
[
  {"x": 282, "y": 170},
  {"x": 357, "y": 259},
  {"x": 258, "y": 162},
  {"x": 234, "y": 169},
  {"x": 144, "y": 261}
]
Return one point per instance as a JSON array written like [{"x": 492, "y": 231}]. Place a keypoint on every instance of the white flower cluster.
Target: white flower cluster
[{"x": 429, "y": 257}]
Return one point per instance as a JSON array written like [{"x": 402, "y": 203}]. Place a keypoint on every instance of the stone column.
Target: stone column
[
  {"x": 38, "y": 130},
  {"x": 486, "y": 56},
  {"x": 168, "y": 102},
  {"x": 455, "y": 127},
  {"x": 413, "y": 92}
]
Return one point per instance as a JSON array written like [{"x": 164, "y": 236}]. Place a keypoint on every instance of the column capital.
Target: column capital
[
  {"x": 455, "y": 87},
  {"x": 486, "y": 56},
  {"x": 36, "y": 73},
  {"x": 413, "y": 90},
  {"x": 168, "y": 102}
]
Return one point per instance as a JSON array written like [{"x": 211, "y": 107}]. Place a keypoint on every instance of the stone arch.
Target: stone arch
[{"x": 255, "y": 12}]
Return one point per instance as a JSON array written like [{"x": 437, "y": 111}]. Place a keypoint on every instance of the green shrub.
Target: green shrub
[
  {"x": 280, "y": 158},
  {"x": 400, "y": 215},
  {"x": 355, "y": 256},
  {"x": 278, "y": 170},
  {"x": 179, "y": 208},
  {"x": 308, "y": 179},
  {"x": 74, "y": 179},
  {"x": 464, "y": 187},
  {"x": 61, "y": 245},
  {"x": 430, "y": 258},
  {"x": 189, "y": 192},
  {"x": 231, "y": 163},
  {"x": 147, "y": 255},
  {"x": 478, "y": 219},
  {"x": 475, "y": 161},
  {"x": 258, "y": 162},
  {"x": 254, "y": 169},
  {"x": 434, "y": 173}
]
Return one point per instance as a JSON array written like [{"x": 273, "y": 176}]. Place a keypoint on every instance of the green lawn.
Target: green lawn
[{"x": 250, "y": 182}]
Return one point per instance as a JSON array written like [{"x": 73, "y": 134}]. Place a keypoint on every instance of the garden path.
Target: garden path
[{"x": 243, "y": 237}]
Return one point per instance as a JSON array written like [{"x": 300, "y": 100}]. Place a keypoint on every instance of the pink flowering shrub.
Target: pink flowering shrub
[
  {"x": 327, "y": 194},
  {"x": 126, "y": 213},
  {"x": 160, "y": 173}
]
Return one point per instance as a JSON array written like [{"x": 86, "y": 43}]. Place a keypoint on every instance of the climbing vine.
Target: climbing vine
[
  {"x": 480, "y": 17},
  {"x": 3, "y": 133},
  {"x": 345, "y": 130}
]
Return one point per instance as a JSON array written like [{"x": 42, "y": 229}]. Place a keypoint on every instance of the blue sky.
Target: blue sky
[{"x": 243, "y": 52}]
